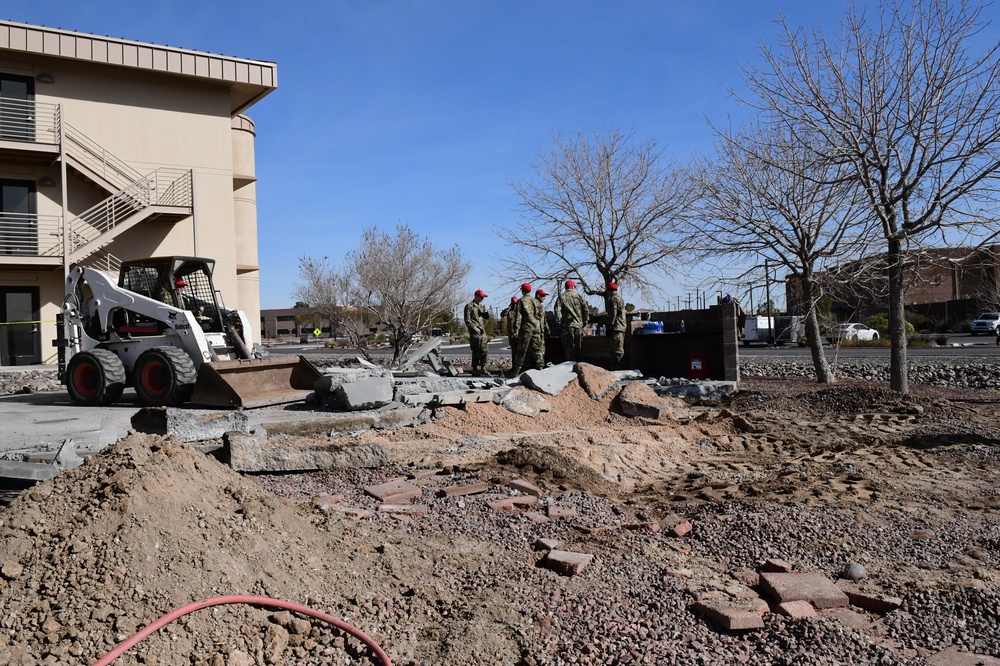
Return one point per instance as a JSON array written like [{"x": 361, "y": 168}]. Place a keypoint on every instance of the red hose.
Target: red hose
[{"x": 242, "y": 599}]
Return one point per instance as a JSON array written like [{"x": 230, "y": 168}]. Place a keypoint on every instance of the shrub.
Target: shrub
[{"x": 880, "y": 323}]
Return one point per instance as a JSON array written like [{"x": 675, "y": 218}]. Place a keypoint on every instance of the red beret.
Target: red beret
[
  {"x": 526, "y": 287},
  {"x": 613, "y": 286},
  {"x": 570, "y": 284},
  {"x": 480, "y": 293}
]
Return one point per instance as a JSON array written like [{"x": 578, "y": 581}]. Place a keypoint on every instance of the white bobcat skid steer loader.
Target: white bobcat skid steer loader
[{"x": 163, "y": 330}]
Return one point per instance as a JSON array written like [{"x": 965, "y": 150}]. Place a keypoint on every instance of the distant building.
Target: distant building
[
  {"x": 947, "y": 285},
  {"x": 113, "y": 150}
]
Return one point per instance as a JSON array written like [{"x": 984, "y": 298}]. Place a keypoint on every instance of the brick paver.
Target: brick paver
[
  {"x": 812, "y": 587},
  {"x": 568, "y": 563},
  {"x": 394, "y": 491}
]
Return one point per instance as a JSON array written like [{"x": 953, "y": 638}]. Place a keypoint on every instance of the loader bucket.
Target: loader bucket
[{"x": 254, "y": 382}]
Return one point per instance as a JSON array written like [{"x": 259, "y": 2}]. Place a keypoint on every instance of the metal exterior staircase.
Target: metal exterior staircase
[
  {"x": 166, "y": 193},
  {"x": 39, "y": 131}
]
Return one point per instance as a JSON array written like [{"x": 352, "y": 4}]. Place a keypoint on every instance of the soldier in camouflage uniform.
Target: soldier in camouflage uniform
[
  {"x": 510, "y": 315},
  {"x": 530, "y": 348},
  {"x": 616, "y": 324},
  {"x": 572, "y": 314},
  {"x": 543, "y": 329},
  {"x": 476, "y": 315}
]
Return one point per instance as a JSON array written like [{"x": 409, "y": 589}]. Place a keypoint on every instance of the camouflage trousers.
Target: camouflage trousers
[
  {"x": 617, "y": 348},
  {"x": 572, "y": 339},
  {"x": 479, "y": 348},
  {"x": 530, "y": 350}
]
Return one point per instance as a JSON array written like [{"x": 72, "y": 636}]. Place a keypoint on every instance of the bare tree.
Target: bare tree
[
  {"x": 401, "y": 283},
  {"x": 602, "y": 209},
  {"x": 318, "y": 288},
  {"x": 765, "y": 196},
  {"x": 903, "y": 102}
]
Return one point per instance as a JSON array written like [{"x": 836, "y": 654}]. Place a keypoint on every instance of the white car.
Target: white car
[
  {"x": 988, "y": 323},
  {"x": 851, "y": 331}
]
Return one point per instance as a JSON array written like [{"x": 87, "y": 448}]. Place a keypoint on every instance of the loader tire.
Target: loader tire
[
  {"x": 164, "y": 376},
  {"x": 95, "y": 377}
]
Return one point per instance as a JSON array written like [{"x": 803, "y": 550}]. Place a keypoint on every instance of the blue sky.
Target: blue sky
[{"x": 423, "y": 111}]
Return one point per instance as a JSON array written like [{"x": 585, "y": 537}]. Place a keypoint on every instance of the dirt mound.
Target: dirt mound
[{"x": 149, "y": 525}]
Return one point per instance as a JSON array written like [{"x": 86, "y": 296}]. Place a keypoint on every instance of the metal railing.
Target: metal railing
[
  {"x": 163, "y": 187},
  {"x": 93, "y": 156},
  {"x": 30, "y": 235},
  {"x": 29, "y": 121}
]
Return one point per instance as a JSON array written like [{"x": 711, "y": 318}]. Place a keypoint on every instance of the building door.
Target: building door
[
  {"x": 17, "y": 108},
  {"x": 18, "y": 218},
  {"x": 20, "y": 332}
]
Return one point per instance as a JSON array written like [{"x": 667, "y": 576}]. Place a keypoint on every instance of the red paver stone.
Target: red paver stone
[
  {"x": 952, "y": 656},
  {"x": 502, "y": 505},
  {"x": 867, "y": 600},
  {"x": 568, "y": 563},
  {"x": 536, "y": 517},
  {"x": 556, "y": 511},
  {"x": 680, "y": 529},
  {"x": 464, "y": 489},
  {"x": 526, "y": 488},
  {"x": 404, "y": 509},
  {"x": 326, "y": 502},
  {"x": 797, "y": 610},
  {"x": 777, "y": 566},
  {"x": 547, "y": 544},
  {"x": 812, "y": 587},
  {"x": 730, "y": 616},
  {"x": 393, "y": 491}
]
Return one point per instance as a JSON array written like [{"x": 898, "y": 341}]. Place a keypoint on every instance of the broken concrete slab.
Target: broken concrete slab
[
  {"x": 67, "y": 458},
  {"x": 420, "y": 352},
  {"x": 525, "y": 403},
  {"x": 433, "y": 384},
  {"x": 815, "y": 588},
  {"x": 244, "y": 453},
  {"x": 189, "y": 425},
  {"x": 595, "y": 380},
  {"x": 333, "y": 378},
  {"x": 367, "y": 393},
  {"x": 704, "y": 391},
  {"x": 27, "y": 471},
  {"x": 355, "y": 422},
  {"x": 456, "y": 398},
  {"x": 551, "y": 380},
  {"x": 639, "y": 400}
]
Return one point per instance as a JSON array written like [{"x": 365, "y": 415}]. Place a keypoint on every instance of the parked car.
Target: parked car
[
  {"x": 988, "y": 323},
  {"x": 851, "y": 331}
]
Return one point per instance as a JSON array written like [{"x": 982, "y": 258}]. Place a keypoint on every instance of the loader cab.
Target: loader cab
[{"x": 181, "y": 282}]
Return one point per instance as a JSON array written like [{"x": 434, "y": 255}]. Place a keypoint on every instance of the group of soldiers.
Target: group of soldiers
[{"x": 527, "y": 326}]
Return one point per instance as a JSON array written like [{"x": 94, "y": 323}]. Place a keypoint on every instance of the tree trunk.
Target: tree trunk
[
  {"x": 823, "y": 373},
  {"x": 898, "y": 374}
]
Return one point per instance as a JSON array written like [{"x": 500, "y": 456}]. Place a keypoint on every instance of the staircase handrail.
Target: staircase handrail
[
  {"x": 166, "y": 186},
  {"x": 95, "y": 157}
]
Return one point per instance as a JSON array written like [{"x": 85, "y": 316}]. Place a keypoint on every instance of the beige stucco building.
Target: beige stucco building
[{"x": 113, "y": 150}]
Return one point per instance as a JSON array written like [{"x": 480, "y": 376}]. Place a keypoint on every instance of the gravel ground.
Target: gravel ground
[{"x": 462, "y": 585}]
